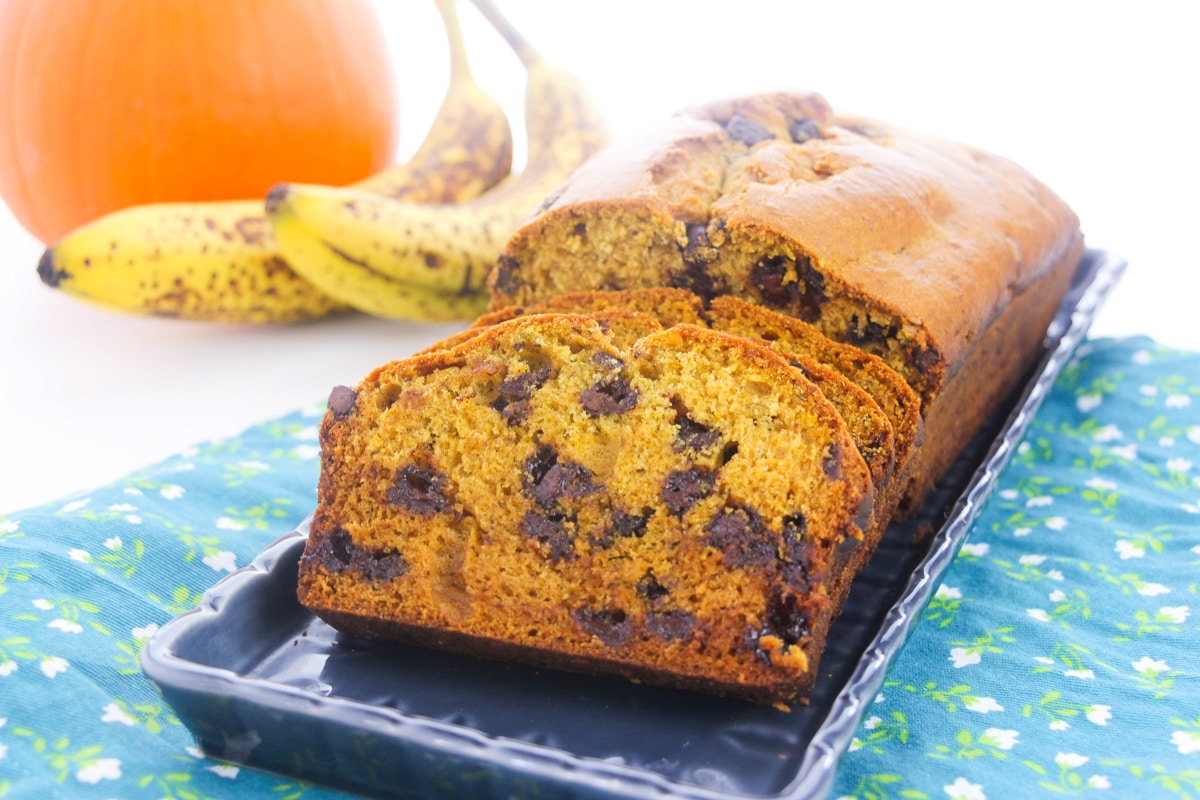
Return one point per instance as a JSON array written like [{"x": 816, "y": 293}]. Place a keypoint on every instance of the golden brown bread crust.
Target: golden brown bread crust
[
  {"x": 667, "y": 510},
  {"x": 904, "y": 244}
]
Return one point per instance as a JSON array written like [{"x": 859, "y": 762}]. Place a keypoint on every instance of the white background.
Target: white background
[{"x": 1097, "y": 99}]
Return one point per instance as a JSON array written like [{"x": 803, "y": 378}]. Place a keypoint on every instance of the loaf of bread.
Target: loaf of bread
[
  {"x": 667, "y": 507},
  {"x": 719, "y": 360},
  {"x": 945, "y": 261}
]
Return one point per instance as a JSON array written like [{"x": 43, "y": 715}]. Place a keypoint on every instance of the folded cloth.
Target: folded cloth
[{"x": 1059, "y": 655}]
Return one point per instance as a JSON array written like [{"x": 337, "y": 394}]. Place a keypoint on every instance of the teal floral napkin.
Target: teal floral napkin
[{"x": 1059, "y": 656}]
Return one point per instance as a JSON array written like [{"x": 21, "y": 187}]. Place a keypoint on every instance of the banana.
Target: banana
[
  {"x": 349, "y": 242},
  {"x": 366, "y": 290},
  {"x": 219, "y": 261}
]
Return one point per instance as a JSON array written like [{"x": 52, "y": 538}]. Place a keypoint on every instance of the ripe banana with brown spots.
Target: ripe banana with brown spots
[
  {"x": 219, "y": 261},
  {"x": 373, "y": 253}
]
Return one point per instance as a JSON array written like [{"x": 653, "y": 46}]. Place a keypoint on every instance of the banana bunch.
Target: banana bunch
[
  {"x": 430, "y": 261},
  {"x": 219, "y": 261}
]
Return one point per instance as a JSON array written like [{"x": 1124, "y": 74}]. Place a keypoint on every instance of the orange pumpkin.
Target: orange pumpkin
[{"x": 106, "y": 104}]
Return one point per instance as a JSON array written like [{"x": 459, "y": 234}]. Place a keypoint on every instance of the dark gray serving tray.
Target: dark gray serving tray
[{"x": 261, "y": 682}]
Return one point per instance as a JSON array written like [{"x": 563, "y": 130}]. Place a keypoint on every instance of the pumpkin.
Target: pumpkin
[{"x": 106, "y": 104}]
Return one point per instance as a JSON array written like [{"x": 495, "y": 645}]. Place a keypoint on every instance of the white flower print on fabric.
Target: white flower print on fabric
[
  {"x": 103, "y": 769},
  {"x": 1176, "y": 614},
  {"x": 223, "y": 561},
  {"x": 172, "y": 491},
  {"x": 983, "y": 705},
  {"x": 82, "y": 556},
  {"x": 1193, "y": 434},
  {"x": 224, "y": 771},
  {"x": 1071, "y": 760},
  {"x": 74, "y": 505},
  {"x": 1001, "y": 739},
  {"x": 306, "y": 452},
  {"x": 1142, "y": 357},
  {"x": 141, "y": 634},
  {"x": 1088, "y": 402},
  {"x": 1129, "y": 452},
  {"x": 962, "y": 789},
  {"x": 1186, "y": 742},
  {"x": 53, "y": 666},
  {"x": 1056, "y": 523},
  {"x": 1082, "y": 674},
  {"x": 962, "y": 657},
  {"x": 1178, "y": 401},
  {"x": 1108, "y": 433},
  {"x": 1039, "y": 614},
  {"x": 227, "y": 524},
  {"x": 1179, "y": 465},
  {"x": 113, "y": 713},
  {"x": 65, "y": 625},
  {"x": 1150, "y": 666},
  {"x": 1099, "y": 782},
  {"x": 1098, "y": 714},
  {"x": 1038, "y": 502},
  {"x": 7, "y": 668},
  {"x": 1127, "y": 549},
  {"x": 979, "y": 550},
  {"x": 1153, "y": 589}
]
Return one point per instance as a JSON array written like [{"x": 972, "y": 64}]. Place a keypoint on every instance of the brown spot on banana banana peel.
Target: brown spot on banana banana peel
[
  {"x": 449, "y": 248},
  {"x": 231, "y": 272}
]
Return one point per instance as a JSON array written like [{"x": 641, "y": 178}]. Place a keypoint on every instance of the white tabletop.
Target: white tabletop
[{"x": 1097, "y": 99}]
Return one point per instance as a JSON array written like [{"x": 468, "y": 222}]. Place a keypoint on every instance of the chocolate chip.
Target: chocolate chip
[
  {"x": 739, "y": 533},
  {"x": 623, "y": 525},
  {"x": 699, "y": 249},
  {"x": 872, "y": 333},
  {"x": 505, "y": 279},
  {"x": 671, "y": 625},
  {"x": 550, "y": 530},
  {"x": 813, "y": 297},
  {"x": 925, "y": 358},
  {"x": 341, "y": 402},
  {"x": 796, "y": 553},
  {"x": 607, "y": 361},
  {"x": 832, "y": 463},
  {"x": 609, "y": 625},
  {"x": 804, "y": 129},
  {"x": 692, "y": 435},
  {"x": 785, "y": 619},
  {"x": 649, "y": 588},
  {"x": 513, "y": 393},
  {"x": 683, "y": 488},
  {"x": 696, "y": 279},
  {"x": 334, "y": 552},
  {"x": 609, "y": 396},
  {"x": 513, "y": 413},
  {"x": 519, "y": 387},
  {"x": 549, "y": 479},
  {"x": 420, "y": 490},
  {"x": 769, "y": 278},
  {"x": 746, "y": 130},
  {"x": 338, "y": 553},
  {"x": 382, "y": 565}
]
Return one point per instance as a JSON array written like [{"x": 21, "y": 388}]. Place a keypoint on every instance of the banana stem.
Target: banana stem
[
  {"x": 460, "y": 69},
  {"x": 525, "y": 51}
]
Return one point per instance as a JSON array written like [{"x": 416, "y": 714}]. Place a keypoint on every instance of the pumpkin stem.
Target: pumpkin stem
[
  {"x": 520, "y": 45},
  {"x": 460, "y": 69}
]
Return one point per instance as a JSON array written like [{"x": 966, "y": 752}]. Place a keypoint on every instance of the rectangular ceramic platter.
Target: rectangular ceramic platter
[{"x": 261, "y": 682}]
